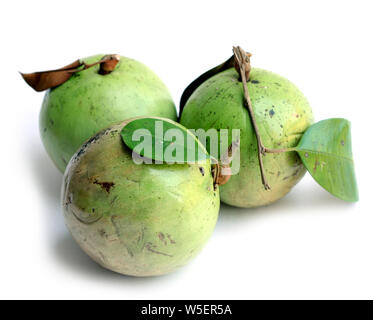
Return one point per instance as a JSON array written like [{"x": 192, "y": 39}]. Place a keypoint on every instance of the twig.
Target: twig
[
  {"x": 268, "y": 150},
  {"x": 234, "y": 147},
  {"x": 222, "y": 171},
  {"x": 242, "y": 63}
]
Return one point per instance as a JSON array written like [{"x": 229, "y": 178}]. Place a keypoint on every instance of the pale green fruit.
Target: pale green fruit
[
  {"x": 282, "y": 113},
  {"x": 140, "y": 220},
  {"x": 89, "y": 102}
]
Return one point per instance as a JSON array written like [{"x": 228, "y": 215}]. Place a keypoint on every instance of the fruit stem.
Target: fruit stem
[
  {"x": 242, "y": 65},
  {"x": 268, "y": 150},
  {"x": 108, "y": 63},
  {"x": 222, "y": 171}
]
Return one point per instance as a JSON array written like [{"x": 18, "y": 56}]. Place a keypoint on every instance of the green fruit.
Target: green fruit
[
  {"x": 139, "y": 220},
  {"x": 89, "y": 102},
  {"x": 282, "y": 114}
]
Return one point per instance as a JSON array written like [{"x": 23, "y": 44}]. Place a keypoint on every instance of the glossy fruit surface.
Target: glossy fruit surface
[
  {"x": 89, "y": 102},
  {"x": 139, "y": 220},
  {"x": 282, "y": 113}
]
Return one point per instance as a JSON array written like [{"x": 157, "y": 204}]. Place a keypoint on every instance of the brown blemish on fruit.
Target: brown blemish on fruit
[
  {"x": 162, "y": 237},
  {"x": 102, "y": 233},
  {"x": 316, "y": 164},
  {"x": 140, "y": 238},
  {"x": 202, "y": 170},
  {"x": 84, "y": 219},
  {"x": 171, "y": 240},
  {"x": 69, "y": 200},
  {"x": 295, "y": 172},
  {"x": 104, "y": 185},
  {"x": 113, "y": 200},
  {"x": 129, "y": 251},
  {"x": 151, "y": 247},
  {"x": 90, "y": 141}
]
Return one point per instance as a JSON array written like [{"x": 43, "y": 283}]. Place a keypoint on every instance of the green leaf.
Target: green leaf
[
  {"x": 325, "y": 149},
  {"x": 163, "y": 140}
]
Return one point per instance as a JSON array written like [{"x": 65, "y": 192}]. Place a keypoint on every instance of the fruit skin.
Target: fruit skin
[
  {"x": 140, "y": 220},
  {"x": 282, "y": 113},
  {"x": 89, "y": 102}
]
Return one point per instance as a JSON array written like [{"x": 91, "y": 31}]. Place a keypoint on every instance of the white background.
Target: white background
[{"x": 307, "y": 245}]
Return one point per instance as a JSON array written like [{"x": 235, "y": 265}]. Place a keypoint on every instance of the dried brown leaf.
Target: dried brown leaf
[{"x": 43, "y": 80}]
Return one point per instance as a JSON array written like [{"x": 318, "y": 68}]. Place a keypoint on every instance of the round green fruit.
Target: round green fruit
[
  {"x": 282, "y": 113},
  {"x": 140, "y": 220},
  {"x": 89, "y": 102}
]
